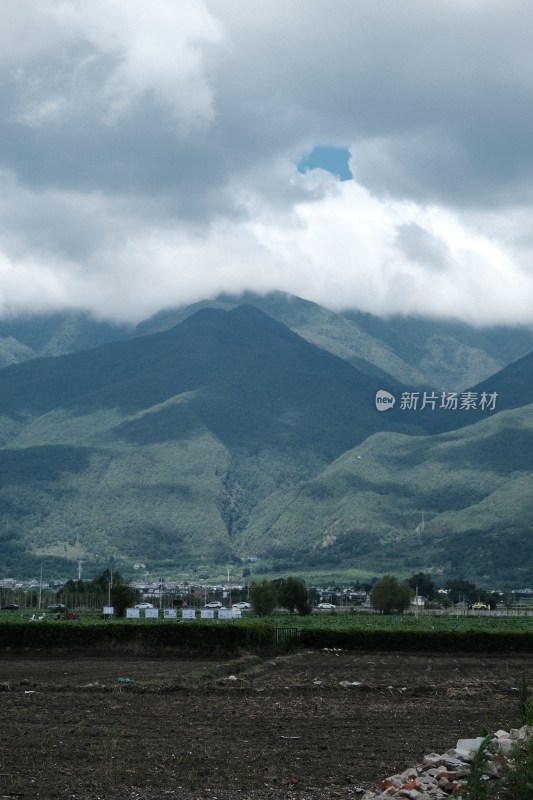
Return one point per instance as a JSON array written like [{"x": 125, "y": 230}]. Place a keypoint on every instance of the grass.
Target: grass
[
  {"x": 476, "y": 785},
  {"x": 359, "y": 621},
  {"x": 407, "y": 622}
]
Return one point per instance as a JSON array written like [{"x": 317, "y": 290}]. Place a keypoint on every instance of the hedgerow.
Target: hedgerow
[
  {"x": 347, "y": 633},
  {"x": 410, "y": 641},
  {"x": 154, "y": 637}
]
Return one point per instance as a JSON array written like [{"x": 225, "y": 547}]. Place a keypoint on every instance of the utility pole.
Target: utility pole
[
  {"x": 41, "y": 587},
  {"x": 110, "y": 585}
]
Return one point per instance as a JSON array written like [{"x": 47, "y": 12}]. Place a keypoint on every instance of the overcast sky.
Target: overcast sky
[{"x": 157, "y": 153}]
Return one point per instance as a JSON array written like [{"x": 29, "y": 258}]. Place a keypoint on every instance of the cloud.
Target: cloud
[
  {"x": 124, "y": 51},
  {"x": 149, "y": 155},
  {"x": 422, "y": 247}
]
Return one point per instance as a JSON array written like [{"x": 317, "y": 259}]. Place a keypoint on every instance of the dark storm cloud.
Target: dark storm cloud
[{"x": 149, "y": 153}]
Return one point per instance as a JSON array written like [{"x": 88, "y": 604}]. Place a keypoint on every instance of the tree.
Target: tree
[
  {"x": 123, "y": 597},
  {"x": 73, "y": 587},
  {"x": 100, "y": 584},
  {"x": 389, "y": 595},
  {"x": 263, "y": 597},
  {"x": 112, "y": 586},
  {"x": 461, "y": 590},
  {"x": 424, "y": 583},
  {"x": 293, "y": 595}
]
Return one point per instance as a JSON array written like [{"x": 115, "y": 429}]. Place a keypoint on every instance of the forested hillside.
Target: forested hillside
[{"x": 229, "y": 436}]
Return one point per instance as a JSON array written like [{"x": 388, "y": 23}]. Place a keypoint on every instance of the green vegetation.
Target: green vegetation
[
  {"x": 389, "y": 595},
  {"x": 347, "y": 631},
  {"x": 289, "y": 593},
  {"x": 519, "y": 780},
  {"x": 263, "y": 597},
  {"x": 293, "y": 595},
  {"x": 525, "y": 703},
  {"x": 230, "y": 437},
  {"x": 476, "y": 786},
  {"x": 107, "y": 588},
  {"x": 456, "y": 501}
]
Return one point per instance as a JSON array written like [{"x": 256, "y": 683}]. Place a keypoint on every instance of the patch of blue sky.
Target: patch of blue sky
[{"x": 333, "y": 159}]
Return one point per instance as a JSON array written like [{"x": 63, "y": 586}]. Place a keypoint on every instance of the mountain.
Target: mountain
[
  {"x": 450, "y": 356},
  {"x": 26, "y": 337},
  {"x": 513, "y": 384},
  {"x": 511, "y": 387},
  {"x": 318, "y": 325},
  {"x": 157, "y": 448},
  {"x": 457, "y": 503},
  {"x": 418, "y": 352},
  {"x": 228, "y": 435},
  {"x": 447, "y": 355}
]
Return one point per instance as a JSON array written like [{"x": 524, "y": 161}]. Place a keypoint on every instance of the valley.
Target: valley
[{"x": 218, "y": 435}]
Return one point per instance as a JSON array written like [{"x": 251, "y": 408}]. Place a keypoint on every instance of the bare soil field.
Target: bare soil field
[{"x": 232, "y": 729}]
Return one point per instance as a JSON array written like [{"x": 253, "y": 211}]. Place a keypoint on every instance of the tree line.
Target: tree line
[{"x": 387, "y": 594}]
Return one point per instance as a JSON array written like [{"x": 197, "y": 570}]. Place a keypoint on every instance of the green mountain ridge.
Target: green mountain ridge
[
  {"x": 416, "y": 351},
  {"x": 447, "y": 355},
  {"x": 35, "y": 336},
  {"x": 230, "y": 436},
  {"x": 459, "y": 501},
  {"x": 157, "y": 448}
]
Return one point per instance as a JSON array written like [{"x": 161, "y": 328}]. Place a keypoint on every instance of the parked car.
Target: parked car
[
  {"x": 327, "y": 605},
  {"x": 242, "y": 605},
  {"x": 144, "y": 605},
  {"x": 214, "y": 604},
  {"x": 57, "y": 607},
  {"x": 480, "y": 606},
  {"x": 11, "y": 607}
]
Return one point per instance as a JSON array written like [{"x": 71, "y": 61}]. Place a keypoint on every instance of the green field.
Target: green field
[{"x": 324, "y": 621}]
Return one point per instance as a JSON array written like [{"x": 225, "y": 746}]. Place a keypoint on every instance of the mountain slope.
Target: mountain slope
[
  {"x": 318, "y": 325},
  {"x": 447, "y": 355},
  {"x": 26, "y": 337},
  {"x": 458, "y": 502},
  {"x": 450, "y": 355},
  {"x": 158, "y": 448},
  {"x": 229, "y": 436},
  {"x": 250, "y": 374},
  {"x": 512, "y": 387}
]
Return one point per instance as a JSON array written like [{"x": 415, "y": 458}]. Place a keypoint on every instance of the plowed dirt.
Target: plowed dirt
[{"x": 306, "y": 725}]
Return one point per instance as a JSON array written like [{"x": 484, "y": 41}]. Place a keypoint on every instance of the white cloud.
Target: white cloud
[
  {"x": 156, "y": 49},
  {"x": 341, "y": 247},
  {"x": 148, "y": 154},
  {"x": 129, "y": 51}
]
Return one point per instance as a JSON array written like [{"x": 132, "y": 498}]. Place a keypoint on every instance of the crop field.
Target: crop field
[
  {"x": 410, "y": 622},
  {"x": 307, "y": 724},
  {"x": 89, "y": 629},
  {"x": 360, "y": 620},
  {"x": 336, "y": 623}
]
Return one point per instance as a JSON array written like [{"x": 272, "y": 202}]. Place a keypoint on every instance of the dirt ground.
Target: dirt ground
[{"x": 239, "y": 728}]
